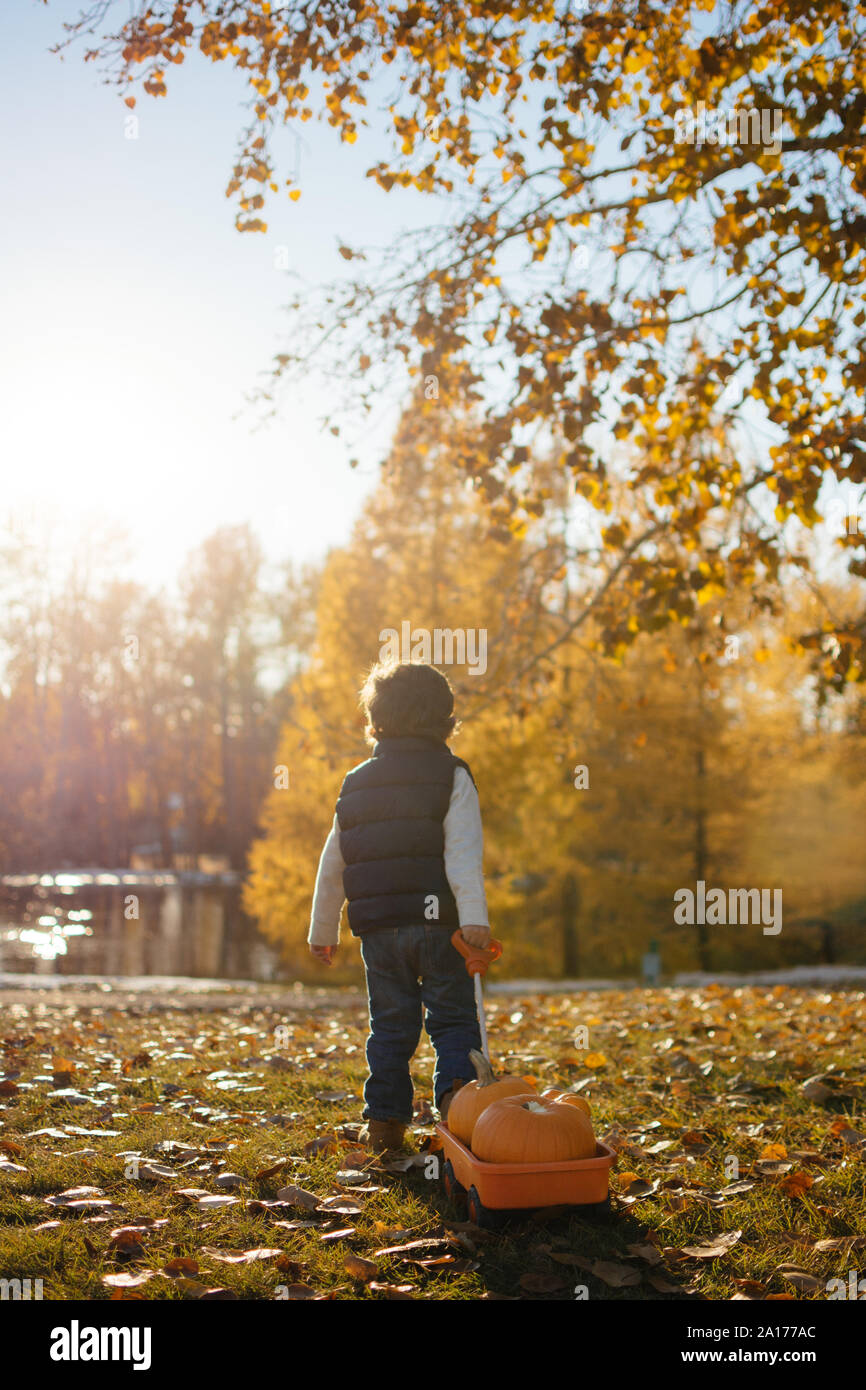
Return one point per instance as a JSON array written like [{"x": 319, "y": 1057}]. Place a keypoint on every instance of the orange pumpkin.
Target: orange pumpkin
[
  {"x": 530, "y": 1129},
  {"x": 566, "y": 1098},
  {"x": 473, "y": 1098}
]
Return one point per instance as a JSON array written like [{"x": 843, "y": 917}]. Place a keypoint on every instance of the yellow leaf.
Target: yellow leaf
[{"x": 773, "y": 1153}]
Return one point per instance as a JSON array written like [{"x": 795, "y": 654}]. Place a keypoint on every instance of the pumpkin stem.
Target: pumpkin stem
[{"x": 483, "y": 1069}]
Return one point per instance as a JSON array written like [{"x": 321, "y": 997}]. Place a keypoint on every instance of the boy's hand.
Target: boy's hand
[
  {"x": 324, "y": 953},
  {"x": 479, "y": 937}
]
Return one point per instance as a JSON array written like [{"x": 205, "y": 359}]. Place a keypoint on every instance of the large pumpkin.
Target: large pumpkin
[
  {"x": 530, "y": 1129},
  {"x": 473, "y": 1098},
  {"x": 566, "y": 1098}
]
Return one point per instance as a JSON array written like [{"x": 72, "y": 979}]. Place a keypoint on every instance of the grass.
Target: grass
[{"x": 692, "y": 1087}]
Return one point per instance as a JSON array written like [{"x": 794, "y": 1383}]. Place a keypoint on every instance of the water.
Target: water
[{"x": 130, "y": 923}]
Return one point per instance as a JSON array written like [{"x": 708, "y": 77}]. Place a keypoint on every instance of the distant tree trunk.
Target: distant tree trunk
[
  {"x": 570, "y": 909},
  {"x": 703, "y": 939},
  {"x": 230, "y": 809},
  {"x": 828, "y": 944}
]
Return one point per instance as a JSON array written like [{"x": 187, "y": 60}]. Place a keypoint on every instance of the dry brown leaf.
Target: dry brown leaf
[
  {"x": 182, "y": 1266},
  {"x": 800, "y": 1278},
  {"x": 339, "y": 1206},
  {"x": 662, "y": 1284},
  {"x": 796, "y": 1184},
  {"x": 128, "y": 1281},
  {"x": 240, "y": 1257},
  {"x": 272, "y": 1171},
  {"x": 361, "y": 1269},
  {"x": 446, "y": 1263},
  {"x": 840, "y": 1243},
  {"x": 650, "y": 1254},
  {"x": 713, "y": 1249},
  {"x": 773, "y": 1153},
  {"x": 615, "y": 1275},
  {"x": 298, "y": 1197},
  {"x": 127, "y": 1239},
  {"x": 570, "y": 1257},
  {"x": 752, "y": 1288},
  {"x": 541, "y": 1283}
]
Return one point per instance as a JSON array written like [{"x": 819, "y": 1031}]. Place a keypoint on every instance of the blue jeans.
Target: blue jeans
[{"x": 415, "y": 974}]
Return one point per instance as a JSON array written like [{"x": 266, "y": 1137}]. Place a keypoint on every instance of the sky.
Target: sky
[{"x": 136, "y": 319}]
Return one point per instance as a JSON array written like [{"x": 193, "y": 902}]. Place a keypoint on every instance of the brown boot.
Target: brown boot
[
  {"x": 445, "y": 1102},
  {"x": 385, "y": 1134}
]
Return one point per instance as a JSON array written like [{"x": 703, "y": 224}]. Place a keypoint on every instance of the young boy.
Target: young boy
[{"x": 405, "y": 850}]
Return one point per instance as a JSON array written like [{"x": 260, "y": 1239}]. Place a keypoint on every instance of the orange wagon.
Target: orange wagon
[{"x": 492, "y": 1190}]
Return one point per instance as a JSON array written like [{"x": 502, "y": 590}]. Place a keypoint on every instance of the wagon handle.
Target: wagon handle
[{"x": 477, "y": 957}]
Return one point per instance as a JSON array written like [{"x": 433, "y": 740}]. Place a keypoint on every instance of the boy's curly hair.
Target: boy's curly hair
[{"x": 407, "y": 699}]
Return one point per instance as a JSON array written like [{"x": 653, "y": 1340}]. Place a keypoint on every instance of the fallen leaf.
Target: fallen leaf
[
  {"x": 403, "y": 1165},
  {"x": 751, "y": 1288},
  {"x": 773, "y": 1153},
  {"x": 570, "y": 1257},
  {"x": 662, "y": 1284},
  {"x": 814, "y": 1089},
  {"x": 840, "y": 1243},
  {"x": 615, "y": 1275},
  {"x": 541, "y": 1283},
  {"x": 448, "y": 1263},
  {"x": 796, "y": 1184},
  {"x": 298, "y": 1197},
  {"x": 325, "y": 1144},
  {"x": 127, "y": 1239},
  {"x": 272, "y": 1171},
  {"x": 361, "y": 1269},
  {"x": 800, "y": 1278},
  {"x": 713, "y": 1249},
  {"x": 181, "y": 1267},
  {"x": 128, "y": 1281},
  {"x": 650, "y": 1254},
  {"x": 339, "y": 1206},
  {"x": 240, "y": 1257},
  {"x": 156, "y": 1172}
]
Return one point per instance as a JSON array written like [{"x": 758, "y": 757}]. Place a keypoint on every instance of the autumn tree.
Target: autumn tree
[{"x": 647, "y": 218}]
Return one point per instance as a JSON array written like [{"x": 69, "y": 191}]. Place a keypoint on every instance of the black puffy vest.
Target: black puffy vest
[{"x": 390, "y": 812}]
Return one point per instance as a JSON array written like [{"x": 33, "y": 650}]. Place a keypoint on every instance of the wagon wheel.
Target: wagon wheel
[
  {"x": 484, "y": 1216},
  {"x": 454, "y": 1190}
]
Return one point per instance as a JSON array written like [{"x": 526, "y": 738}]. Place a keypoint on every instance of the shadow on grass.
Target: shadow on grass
[{"x": 550, "y": 1253}]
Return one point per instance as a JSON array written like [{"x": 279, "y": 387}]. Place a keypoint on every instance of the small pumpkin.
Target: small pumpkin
[
  {"x": 530, "y": 1129},
  {"x": 473, "y": 1098},
  {"x": 566, "y": 1098}
]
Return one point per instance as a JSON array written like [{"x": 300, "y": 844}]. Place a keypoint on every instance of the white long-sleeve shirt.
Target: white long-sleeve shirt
[{"x": 464, "y": 847}]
